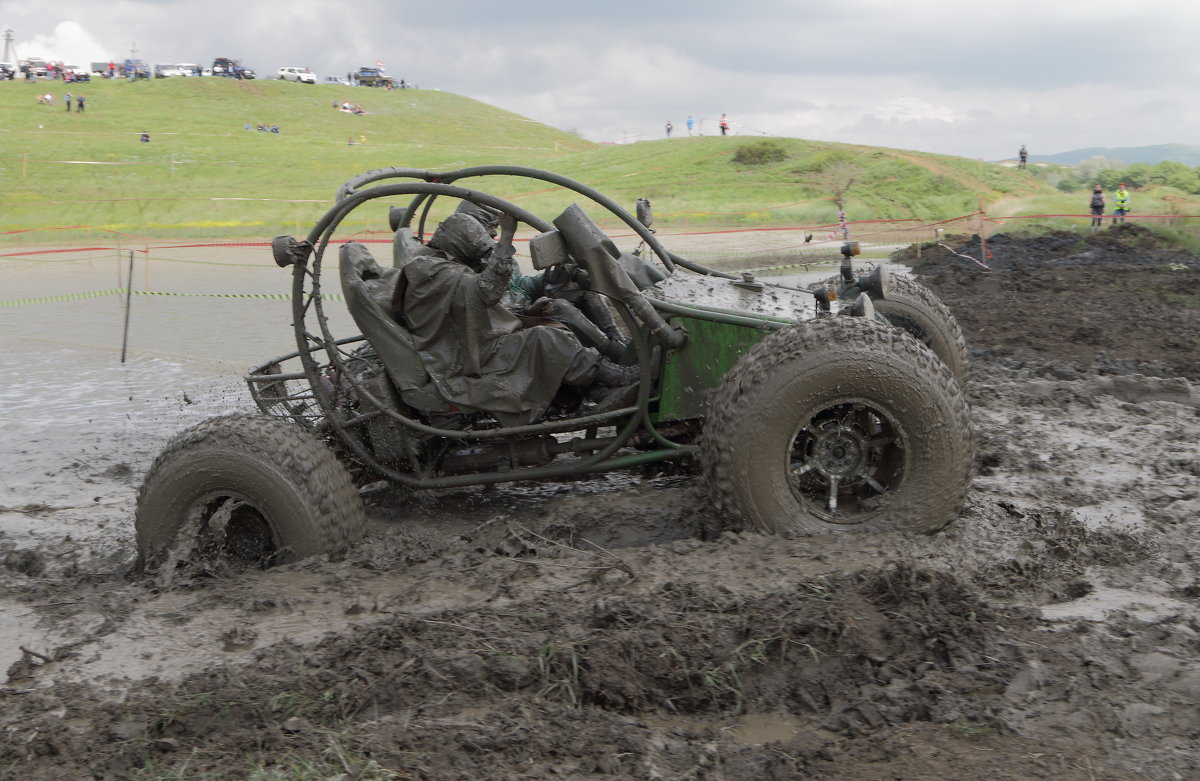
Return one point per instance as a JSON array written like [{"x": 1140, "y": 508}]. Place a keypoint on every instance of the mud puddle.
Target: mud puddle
[{"x": 611, "y": 628}]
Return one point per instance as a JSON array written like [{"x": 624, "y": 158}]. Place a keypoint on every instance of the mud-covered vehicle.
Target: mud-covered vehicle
[{"x": 833, "y": 409}]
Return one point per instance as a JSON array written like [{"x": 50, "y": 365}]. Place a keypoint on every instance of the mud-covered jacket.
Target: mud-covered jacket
[{"x": 475, "y": 351}]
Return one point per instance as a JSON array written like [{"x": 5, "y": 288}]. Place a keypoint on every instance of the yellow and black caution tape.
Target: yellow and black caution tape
[
  {"x": 123, "y": 291},
  {"x": 62, "y": 297}
]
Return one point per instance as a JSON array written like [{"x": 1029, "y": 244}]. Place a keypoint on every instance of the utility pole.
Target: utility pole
[{"x": 10, "y": 51}]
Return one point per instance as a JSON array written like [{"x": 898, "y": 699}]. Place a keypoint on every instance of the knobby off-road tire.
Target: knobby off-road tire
[
  {"x": 914, "y": 307},
  {"x": 841, "y": 407},
  {"x": 248, "y": 487}
]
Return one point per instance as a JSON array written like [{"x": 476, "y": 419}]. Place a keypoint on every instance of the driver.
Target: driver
[{"x": 474, "y": 349}]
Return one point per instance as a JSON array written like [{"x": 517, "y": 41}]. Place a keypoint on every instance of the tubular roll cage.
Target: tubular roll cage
[{"x": 600, "y": 453}]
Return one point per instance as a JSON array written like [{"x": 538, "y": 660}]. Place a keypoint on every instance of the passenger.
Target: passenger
[
  {"x": 477, "y": 352},
  {"x": 558, "y": 295}
]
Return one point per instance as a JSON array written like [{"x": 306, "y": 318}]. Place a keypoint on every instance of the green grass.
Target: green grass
[
  {"x": 199, "y": 151},
  {"x": 200, "y": 155}
]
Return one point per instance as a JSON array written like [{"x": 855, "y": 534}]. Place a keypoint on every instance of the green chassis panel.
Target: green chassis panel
[{"x": 693, "y": 373}]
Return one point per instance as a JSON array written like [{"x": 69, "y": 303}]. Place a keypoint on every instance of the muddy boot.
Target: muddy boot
[
  {"x": 615, "y": 387},
  {"x": 615, "y": 375},
  {"x": 615, "y": 398}
]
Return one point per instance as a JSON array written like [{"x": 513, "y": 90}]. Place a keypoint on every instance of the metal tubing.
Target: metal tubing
[
  {"x": 717, "y": 317},
  {"x": 520, "y": 171}
]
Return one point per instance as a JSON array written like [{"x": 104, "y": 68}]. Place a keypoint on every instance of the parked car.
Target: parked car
[
  {"x": 339, "y": 80},
  {"x": 167, "y": 71},
  {"x": 135, "y": 69},
  {"x": 190, "y": 69},
  {"x": 231, "y": 68},
  {"x": 373, "y": 77},
  {"x": 37, "y": 66},
  {"x": 290, "y": 73}
]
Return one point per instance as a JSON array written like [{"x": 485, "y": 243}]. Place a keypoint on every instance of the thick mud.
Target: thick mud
[{"x": 610, "y": 628}]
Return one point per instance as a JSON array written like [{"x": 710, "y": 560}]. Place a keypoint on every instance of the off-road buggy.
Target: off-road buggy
[{"x": 805, "y": 410}]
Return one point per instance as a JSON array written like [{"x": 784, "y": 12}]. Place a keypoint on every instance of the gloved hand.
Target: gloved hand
[
  {"x": 581, "y": 277},
  {"x": 549, "y": 307},
  {"x": 508, "y": 228}
]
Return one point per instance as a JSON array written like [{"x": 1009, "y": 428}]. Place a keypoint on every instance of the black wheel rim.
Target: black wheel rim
[
  {"x": 913, "y": 326},
  {"x": 845, "y": 460}
]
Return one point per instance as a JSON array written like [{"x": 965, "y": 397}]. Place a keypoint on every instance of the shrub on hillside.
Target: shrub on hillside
[{"x": 759, "y": 153}]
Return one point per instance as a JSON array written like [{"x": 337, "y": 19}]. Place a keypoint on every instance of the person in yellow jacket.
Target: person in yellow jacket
[{"x": 1120, "y": 203}]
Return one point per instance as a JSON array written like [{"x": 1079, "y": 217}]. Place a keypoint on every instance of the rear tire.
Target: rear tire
[
  {"x": 915, "y": 308},
  {"x": 838, "y": 425},
  {"x": 246, "y": 487}
]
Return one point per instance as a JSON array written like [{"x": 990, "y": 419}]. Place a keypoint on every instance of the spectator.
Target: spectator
[
  {"x": 724, "y": 125},
  {"x": 690, "y": 122},
  {"x": 1023, "y": 155},
  {"x": 67, "y": 100},
  {"x": 1097, "y": 207},
  {"x": 1120, "y": 203},
  {"x": 670, "y": 127},
  {"x": 145, "y": 139},
  {"x": 79, "y": 104}
]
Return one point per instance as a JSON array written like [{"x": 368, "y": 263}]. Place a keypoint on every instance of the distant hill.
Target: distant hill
[{"x": 1188, "y": 154}]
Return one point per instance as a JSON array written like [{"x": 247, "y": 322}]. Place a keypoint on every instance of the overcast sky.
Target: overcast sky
[{"x": 976, "y": 80}]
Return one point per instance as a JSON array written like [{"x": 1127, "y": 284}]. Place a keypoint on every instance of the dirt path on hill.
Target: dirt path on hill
[{"x": 603, "y": 629}]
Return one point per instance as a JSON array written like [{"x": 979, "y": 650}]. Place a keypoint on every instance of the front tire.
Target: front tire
[
  {"x": 915, "y": 308},
  {"x": 246, "y": 487},
  {"x": 838, "y": 425}
]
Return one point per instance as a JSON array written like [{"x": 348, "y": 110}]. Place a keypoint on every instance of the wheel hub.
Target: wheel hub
[
  {"x": 839, "y": 450},
  {"x": 843, "y": 461}
]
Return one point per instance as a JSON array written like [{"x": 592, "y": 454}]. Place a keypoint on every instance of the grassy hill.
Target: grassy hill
[
  {"x": 199, "y": 150},
  {"x": 204, "y": 175}
]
